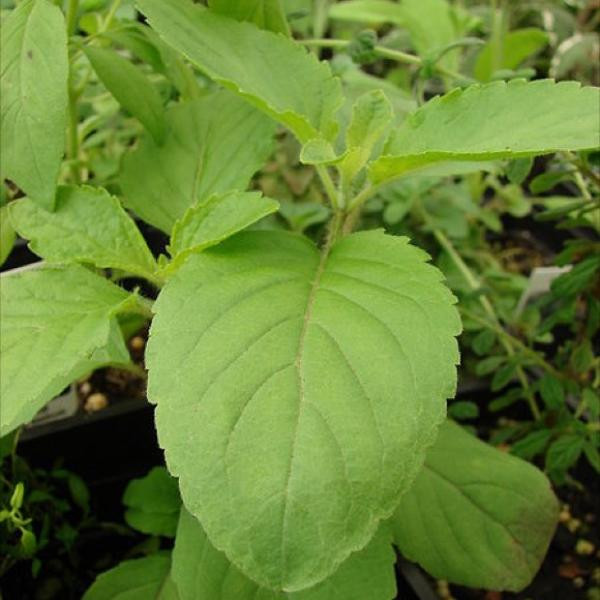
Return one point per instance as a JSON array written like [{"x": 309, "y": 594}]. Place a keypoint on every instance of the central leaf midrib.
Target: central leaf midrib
[{"x": 299, "y": 366}]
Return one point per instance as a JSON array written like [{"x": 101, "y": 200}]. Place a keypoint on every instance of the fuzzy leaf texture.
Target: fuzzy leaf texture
[
  {"x": 131, "y": 88},
  {"x": 476, "y": 516},
  {"x": 216, "y": 219},
  {"x": 99, "y": 231},
  {"x": 213, "y": 145},
  {"x": 33, "y": 98},
  {"x": 201, "y": 572},
  {"x": 272, "y": 72},
  {"x": 266, "y": 14},
  {"x": 153, "y": 503},
  {"x": 57, "y": 324},
  {"x": 493, "y": 121},
  {"x": 145, "y": 578},
  {"x": 292, "y": 400}
]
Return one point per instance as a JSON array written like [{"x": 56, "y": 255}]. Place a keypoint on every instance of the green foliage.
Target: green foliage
[
  {"x": 300, "y": 379},
  {"x": 138, "y": 579},
  {"x": 285, "y": 393},
  {"x": 153, "y": 503},
  {"x": 212, "y": 146},
  {"x": 252, "y": 62},
  {"x": 128, "y": 84},
  {"x": 216, "y": 219},
  {"x": 517, "y": 45},
  {"x": 57, "y": 323},
  {"x": 497, "y": 120},
  {"x": 201, "y": 571},
  {"x": 266, "y": 14},
  {"x": 100, "y": 232},
  {"x": 33, "y": 94},
  {"x": 475, "y": 515}
]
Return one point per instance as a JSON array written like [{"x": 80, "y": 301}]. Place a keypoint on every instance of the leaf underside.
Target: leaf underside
[
  {"x": 493, "y": 121},
  {"x": 294, "y": 388},
  {"x": 476, "y": 516}
]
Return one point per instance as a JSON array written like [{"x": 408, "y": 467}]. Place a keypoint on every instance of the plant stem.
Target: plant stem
[
  {"x": 336, "y": 201},
  {"x": 475, "y": 285},
  {"x": 71, "y": 17},
  {"x": 73, "y": 135},
  {"x": 397, "y": 55},
  {"x": 110, "y": 16}
]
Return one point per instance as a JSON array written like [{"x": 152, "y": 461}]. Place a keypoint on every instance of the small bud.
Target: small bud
[{"x": 137, "y": 343}]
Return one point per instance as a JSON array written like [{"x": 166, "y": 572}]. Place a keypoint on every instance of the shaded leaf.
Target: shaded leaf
[
  {"x": 153, "y": 503},
  {"x": 476, "y": 516},
  {"x": 132, "y": 89},
  {"x": 213, "y": 145},
  {"x": 145, "y": 578}
]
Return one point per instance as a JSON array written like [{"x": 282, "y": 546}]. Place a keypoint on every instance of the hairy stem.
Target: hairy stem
[
  {"x": 71, "y": 17},
  {"x": 383, "y": 52}
]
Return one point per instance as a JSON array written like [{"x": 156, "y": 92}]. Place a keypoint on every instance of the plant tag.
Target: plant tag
[
  {"x": 540, "y": 280},
  {"x": 61, "y": 407}
]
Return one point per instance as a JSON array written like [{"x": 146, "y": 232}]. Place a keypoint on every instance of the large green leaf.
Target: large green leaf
[
  {"x": 266, "y": 14},
  {"x": 292, "y": 400},
  {"x": 493, "y": 121},
  {"x": 128, "y": 84},
  {"x": 213, "y": 145},
  {"x": 273, "y": 73},
  {"x": 98, "y": 230},
  {"x": 153, "y": 503},
  {"x": 56, "y": 322},
  {"x": 216, "y": 219},
  {"x": 516, "y": 47},
  {"x": 475, "y": 515},
  {"x": 201, "y": 572},
  {"x": 139, "y": 579},
  {"x": 33, "y": 95}
]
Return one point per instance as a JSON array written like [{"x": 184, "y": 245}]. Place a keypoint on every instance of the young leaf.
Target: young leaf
[
  {"x": 99, "y": 231},
  {"x": 476, "y": 516},
  {"x": 273, "y": 73},
  {"x": 271, "y": 363},
  {"x": 153, "y": 503},
  {"x": 371, "y": 115},
  {"x": 213, "y": 145},
  {"x": 493, "y": 121},
  {"x": 33, "y": 97},
  {"x": 201, "y": 571},
  {"x": 216, "y": 219},
  {"x": 128, "y": 84},
  {"x": 266, "y": 14},
  {"x": 145, "y": 578},
  {"x": 54, "y": 321},
  {"x": 517, "y": 45}
]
